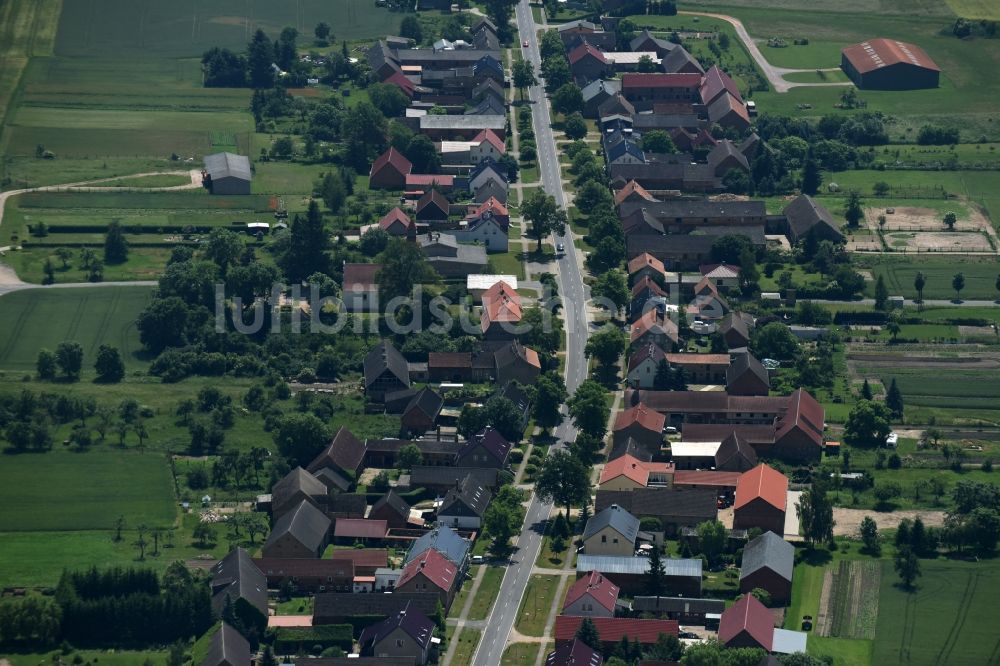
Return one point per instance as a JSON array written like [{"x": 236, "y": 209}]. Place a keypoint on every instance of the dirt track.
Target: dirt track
[{"x": 849, "y": 520}]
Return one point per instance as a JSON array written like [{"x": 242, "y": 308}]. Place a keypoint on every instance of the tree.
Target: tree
[
  {"x": 323, "y": 32},
  {"x": 563, "y": 480},
  {"x": 567, "y": 99},
  {"x": 223, "y": 69},
  {"x": 556, "y": 72},
  {"x": 907, "y": 566},
  {"x": 115, "y": 246},
  {"x": 588, "y": 635},
  {"x": 816, "y": 514},
  {"x": 950, "y": 219},
  {"x": 364, "y": 131},
  {"x": 958, "y": 284},
  {"x": 45, "y": 365},
  {"x": 260, "y": 55},
  {"x": 589, "y": 408},
  {"x": 409, "y": 456},
  {"x": 300, "y": 437},
  {"x": 885, "y": 492},
  {"x": 749, "y": 275},
  {"x": 503, "y": 517},
  {"x": 867, "y": 424},
  {"x": 550, "y": 45},
  {"x": 712, "y": 539},
  {"x": 575, "y": 126},
  {"x": 881, "y": 293},
  {"x": 613, "y": 287},
  {"x": 423, "y": 154},
  {"x": 109, "y": 365},
  {"x": 647, "y": 64},
  {"x": 774, "y": 340},
  {"x": 119, "y": 526},
  {"x": 523, "y": 74},
  {"x": 728, "y": 248},
  {"x": 403, "y": 267},
  {"x": 224, "y": 248},
  {"x": 866, "y": 390},
  {"x": 545, "y": 216},
  {"x": 550, "y": 394},
  {"x": 983, "y": 527},
  {"x": 607, "y": 345},
  {"x": 69, "y": 358},
  {"x": 64, "y": 254},
  {"x": 854, "y": 212},
  {"x": 894, "y": 400},
  {"x": 389, "y": 99},
  {"x": 655, "y": 585},
  {"x": 811, "y": 177},
  {"x": 658, "y": 141},
  {"x": 918, "y": 283},
  {"x": 410, "y": 28},
  {"x": 894, "y": 328},
  {"x": 870, "y": 536},
  {"x": 308, "y": 244}
]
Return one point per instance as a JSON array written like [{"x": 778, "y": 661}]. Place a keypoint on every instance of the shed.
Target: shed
[{"x": 227, "y": 173}]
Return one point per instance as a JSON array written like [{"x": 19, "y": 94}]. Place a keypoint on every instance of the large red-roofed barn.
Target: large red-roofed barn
[{"x": 888, "y": 64}]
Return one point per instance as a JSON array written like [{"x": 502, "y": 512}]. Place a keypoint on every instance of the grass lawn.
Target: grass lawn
[
  {"x": 539, "y": 598},
  {"x": 549, "y": 558},
  {"x": 165, "y": 180},
  {"x": 520, "y": 654},
  {"x": 844, "y": 651},
  {"x": 487, "y": 593},
  {"x": 899, "y": 274},
  {"x": 950, "y": 618},
  {"x": 508, "y": 263},
  {"x": 807, "y": 583},
  {"x": 32, "y": 320},
  {"x": 111, "y": 657},
  {"x": 94, "y": 488},
  {"x": 465, "y": 647},
  {"x": 296, "y": 606}
]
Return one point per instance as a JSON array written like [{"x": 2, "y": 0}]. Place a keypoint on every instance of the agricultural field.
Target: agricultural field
[
  {"x": 852, "y": 602},
  {"x": 95, "y": 487},
  {"x": 950, "y": 618},
  {"x": 33, "y": 319},
  {"x": 899, "y": 274}
]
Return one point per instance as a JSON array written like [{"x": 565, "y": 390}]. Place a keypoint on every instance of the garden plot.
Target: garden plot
[{"x": 849, "y": 607}]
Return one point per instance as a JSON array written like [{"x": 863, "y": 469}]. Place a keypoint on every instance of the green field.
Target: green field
[
  {"x": 64, "y": 490},
  {"x": 975, "y": 9},
  {"x": 980, "y": 276},
  {"x": 945, "y": 387},
  {"x": 34, "y": 319},
  {"x": 950, "y": 619}
]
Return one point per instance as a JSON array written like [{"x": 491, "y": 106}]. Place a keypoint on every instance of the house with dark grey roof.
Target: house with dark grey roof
[
  {"x": 612, "y": 531},
  {"x": 735, "y": 329},
  {"x": 596, "y": 93},
  {"x": 805, "y": 215},
  {"x": 391, "y": 508},
  {"x": 339, "y": 608},
  {"x": 487, "y": 448},
  {"x": 385, "y": 371},
  {"x": 631, "y": 573},
  {"x": 294, "y": 487},
  {"x": 441, "y": 479},
  {"x": 574, "y": 653},
  {"x": 726, "y": 156},
  {"x": 625, "y": 152},
  {"x": 444, "y": 540},
  {"x": 227, "y": 648},
  {"x": 237, "y": 582},
  {"x": 347, "y": 505},
  {"x": 516, "y": 363},
  {"x": 227, "y": 173},
  {"x": 747, "y": 376},
  {"x": 768, "y": 563},
  {"x": 679, "y": 61},
  {"x": 646, "y": 41},
  {"x": 461, "y": 127},
  {"x": 302, "y": 532},
  {"x": 682, "y": 609},
  {"x": 465, "y": 505},
  {"x": 405, "y": 634},
  {"x": 735, "y": 454},
  {"x": 382, "y": 60},
  {"x": 487, "y": 106},
  {"x": 422, "y": 412},
  {"x": 343, "y": 455}
]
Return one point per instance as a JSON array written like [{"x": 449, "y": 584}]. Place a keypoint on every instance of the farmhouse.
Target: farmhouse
[
  {"x": 673, "y": 507},
  {"x": 889, "y": 64},
  {"x": 430, "y": 573},
  {"x": 302, "y": 532},
  {"x": 805, "y": 215},
  {"x": 747, "y": 623},
  {"x": 612, "y": 531},
  {"x": 309, "y": 575},
  {"x": 391, "y": 508},
  {"x": 227, "y": 173},
  {"x": 761, "y": 496},
  {"x": 628, "y": 473},
  {"x": 237, "y": 582},
  {"x": 389, "y": 171},
  {"x": 405, "y": 634},
  {"x": 344, "y": 454},
  {"x": 294, "y": 487},
  {"x": 768, "y": 562},
  {"x": 642, "y": 424}
]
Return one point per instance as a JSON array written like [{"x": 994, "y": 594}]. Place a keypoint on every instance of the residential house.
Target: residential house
[
  {"x": 465, "y": 505},
  {"x": 352, "y": 531},
  {"x": 726, "y": 157},
  {"x": 673, "y": 507},
  {"x": 433, "y": 207},
  {"x": 430, "y": 573},
  {"x": 397, "y": 223},
  {"x": 645, "y": 265},
  {"x": 385, "y": 371},
  {"x": 300, "y": 533},
  {"x": 747, "y": 376},
  {"x": 593, "y": 595},
  {"x": 488, "y": 227},
  {"x": 501, "y": 311},
  {"x": 486, "y": 145},
  {"x": 516, "y": 363},
  {"x": 761, "y": 496},
  {"x": 408, "y": 633},
  {"x": 625, "y": 151},
  {"x": 487, "y": 448},
  {"x": 736, "y": 328},
  {"x": 238, "y": 583},
  {"x": 632, "y": 191},
  {"x": 735, "y": 455},
  {"x": 574, "y": 652},
  {"x": 804, "y": 215},
  {"x": 587, "y": 63},
  {"x": 654, "y": 327},
  {"x": 389, "y": 171},
  {"x": 612, "y": 531},
  {"x": 679, "y": 61},
  {"x": 723, "y": 276},
  {"x": 708, "y": 304},
  {"x": 596, "y": 93},
  {"x": 308, "y": 575},
  {"x": 616, "y": 105},
  {"x": 491, "y": 188},
  {"x": 487, "y": 169},
  {"x": 227, "y": 647},
  {"x": 294, "y": 487},
  {"x": 612, "y": 630},
  {"x": 445, "y": 541},
  {"x": 747, "y": 623},
  {"x": 631, "y": 573},
  {"x": 768, "y": 563},
  {"x": 450, "y": 258},
  {"x": 392, "y": 509},
  {"x": 628, "y": 473},
  {"x": 360, "y": 291},
  {"x": 488, "y": 87},
  {"x": 343, "y": 454},
  {"x": 641, "y": 424},
  {"x": 643, "y": 365}
]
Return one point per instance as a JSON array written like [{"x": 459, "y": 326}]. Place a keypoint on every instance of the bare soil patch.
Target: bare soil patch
[{"x": 849, "y": 520}]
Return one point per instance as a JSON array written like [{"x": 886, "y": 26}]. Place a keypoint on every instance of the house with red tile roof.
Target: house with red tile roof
[
  {"x": 430, "y": 573},
  {"x": 501, "y": 311},
  {"x": 647, "y": 289},
  {"x": 645, "y": 265},
  {"x": 587, "y": 63},
  {"x": 613, "y": 629},
  {"x": 396, "y": 223},
  {"x": 700, "y": 368},
  {"x": 643, "y": 90},
  {"x": 706, "y": 478},
  {"x": 716, "y": 83},
  {"x": 592, "y": 595},
  {"x": 424, "y": 182},
  {"x": 729, "y": 112},
  {"x": 643, "y": 365},
  {"x": 632, "y": 191},
  {"x": 642, "y": 424},
  {"x": 747, "y": 623},
  {"x": 761, "y": 498},
  {"x": 400, "y": 81},
  {"x": 799, "y": 430},
  {"x": 654, "y": 327},
  {"x": 389, "y": 171},
  {"x": 360, "y": 290},
  {"x": 486, "y": 144},
  {"x": 628, "y": 473}
]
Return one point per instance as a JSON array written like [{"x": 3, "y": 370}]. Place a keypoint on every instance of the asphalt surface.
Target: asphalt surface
[{"x": 504, "y": 613}]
